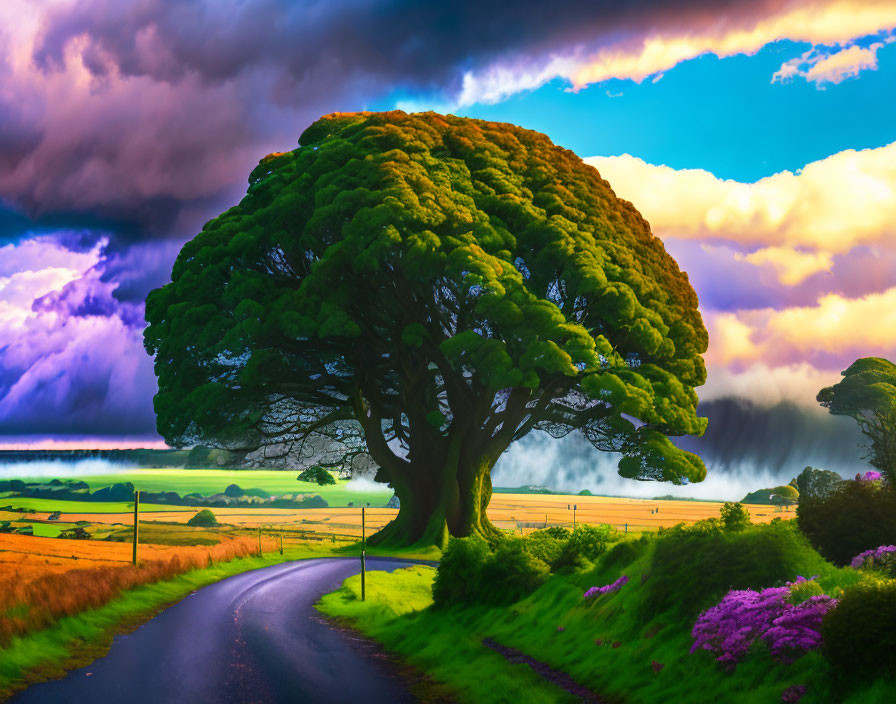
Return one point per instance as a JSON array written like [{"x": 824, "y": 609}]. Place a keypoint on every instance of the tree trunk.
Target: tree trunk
[{"x": 441, "y": 500}]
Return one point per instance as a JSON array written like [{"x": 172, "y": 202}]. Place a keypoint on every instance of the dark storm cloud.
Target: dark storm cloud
[{"x": 183, "y": 96}]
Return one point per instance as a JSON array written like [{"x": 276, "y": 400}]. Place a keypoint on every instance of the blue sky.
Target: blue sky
[{"x": 722, "y": 115}]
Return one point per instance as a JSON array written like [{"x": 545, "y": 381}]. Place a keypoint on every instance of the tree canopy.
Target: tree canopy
[
  {"x": 429, "y": 289},
  {"x": 867, "y": 394},
  {"x": 817, "y": 483}
]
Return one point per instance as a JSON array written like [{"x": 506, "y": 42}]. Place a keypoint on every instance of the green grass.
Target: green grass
[
  {"x": 50, "y": 505},
  {"x": 77, "y": 640},
  {"x": 214, "y": 481},
  {"x": 447, "y": 648},
  {"x": 555, "y": 625}
]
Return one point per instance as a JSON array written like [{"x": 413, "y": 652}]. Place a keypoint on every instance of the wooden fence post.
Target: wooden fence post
[{"x": 136, "y": 517}]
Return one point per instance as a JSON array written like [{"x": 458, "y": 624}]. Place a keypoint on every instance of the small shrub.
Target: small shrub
[
  {"x": 858, "y": 516},
  {"x": 457, "y": 579},
  {"x": 318, "y": 475},
  {"x": 859, "y": 636},
  {"x": 692, "y": 568},
  {"x": 802, "y": 589},
  {"x": 234, "y": 491},
  {"x": 511, "y": 573},
  {"x": 204, "y": 518},
  {"x": 546, "y": 545},
  {"x": 734, "y": 516},
  {"x": 623, "y": 554},
  {"x": 585, "y": 544}
]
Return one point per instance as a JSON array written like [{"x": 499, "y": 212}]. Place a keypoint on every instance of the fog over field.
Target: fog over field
[
  {"x": 747, "y": 446},
  {"x": 59, "y": 469}
]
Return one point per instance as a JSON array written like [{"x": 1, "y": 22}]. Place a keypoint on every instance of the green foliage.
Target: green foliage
[
  {"x": 441, "y": 259},
  {"x": 692, "y": 568},
  {"x": 585, "y": 492},
  {"x": 585, "y": 544},
  {"x": 623, "y": 553},
  {"x": 606, "y": 645},
  {"x": 858, "y": 516},
  {"x": 234, "y": 490},
  {"x": 867, "y": 394},
  {"x": 317, "y": 475},
  {"x": 735, "y": 517},
  {"x": 817, "y": 483},
  {"x": 547, "y": 544},
  {"x": 801, "y": 591},
  {"x": 458, "y": 578},
  {"x": 860, "y": 633},
  {"x": 203, "y": 518},
  {"x": 469, "y": 573},
  {"x": 778, "y": 495},
  {"x": 511, "y": 573},
  {"x": 123, "y": 491}
]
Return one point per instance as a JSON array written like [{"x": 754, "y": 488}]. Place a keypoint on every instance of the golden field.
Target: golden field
[
  {"x": 44, "y": 579},
  {"x": 517, "y": 512}
]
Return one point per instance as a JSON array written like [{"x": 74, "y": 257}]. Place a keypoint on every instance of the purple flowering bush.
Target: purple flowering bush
[
  {"x": 882, "y": 558},
  {"x": 607, "y": 588},
  {"x": 744, "y": 617}
]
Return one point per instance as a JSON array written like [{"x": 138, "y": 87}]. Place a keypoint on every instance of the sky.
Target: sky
[{"x": 757, "y": 138}]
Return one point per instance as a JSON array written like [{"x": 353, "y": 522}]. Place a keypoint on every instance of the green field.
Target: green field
[
  {"x": 50, "y": 505},
  {"x": 214, "y": 481}
]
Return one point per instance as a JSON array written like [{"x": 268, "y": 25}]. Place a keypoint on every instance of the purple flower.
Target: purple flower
[
  {"x": 793, "y": 694},
  {"x": 871, "y": 476},
  {"x": 615, "y": 586},
  {"x": 743, "y": 617},
  {"x": 869, "y": 558}
]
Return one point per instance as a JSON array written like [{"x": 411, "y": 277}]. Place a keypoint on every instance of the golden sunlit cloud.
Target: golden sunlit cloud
[
  {"x": 836, "y": 325},
  {"x": 790, "y": 266},
  {"x": 831, "y": 205}
]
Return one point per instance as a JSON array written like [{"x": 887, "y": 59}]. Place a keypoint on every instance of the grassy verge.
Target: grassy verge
[
  {"x": 632, "y": 644},
  {"x": 77, "y": 640},
  {"x": 446, "y": 645}
]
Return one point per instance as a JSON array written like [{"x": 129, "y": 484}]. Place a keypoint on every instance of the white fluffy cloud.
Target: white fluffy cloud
[{"x": 824, "y": 65}]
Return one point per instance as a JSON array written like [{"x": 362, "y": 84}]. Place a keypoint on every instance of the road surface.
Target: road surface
[{"x": 252, "y": 638}]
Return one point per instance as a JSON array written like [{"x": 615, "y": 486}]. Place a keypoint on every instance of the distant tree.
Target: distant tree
[
  {"x": 429, "y": 289},
  {"x": 204, "y": 518},
  {"x": 867, "y": 394},
  {"x": 318, "y": 475},
  {"x": 734, "y": 516},
  {"x": 785, "y": 495},
  {"x": 234, "y": 490},
  {"x": 817, "y": 483}
]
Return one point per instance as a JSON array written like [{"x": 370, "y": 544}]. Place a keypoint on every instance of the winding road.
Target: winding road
[{"x": 252, "y": 638}]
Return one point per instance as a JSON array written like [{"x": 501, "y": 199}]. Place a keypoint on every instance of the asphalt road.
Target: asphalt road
[{"x": 251, "y": 638}]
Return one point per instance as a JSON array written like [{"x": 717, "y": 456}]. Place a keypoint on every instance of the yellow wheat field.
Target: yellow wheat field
[{"x": 519, "y": 512}]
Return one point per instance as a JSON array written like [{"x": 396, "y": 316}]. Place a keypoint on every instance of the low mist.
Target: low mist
[
  {"x": 746, "y": 447},
  {"x": 59, "y": 469}
]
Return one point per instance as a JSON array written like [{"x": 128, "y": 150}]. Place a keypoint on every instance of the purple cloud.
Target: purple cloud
[{"x": 71, "y": 354}]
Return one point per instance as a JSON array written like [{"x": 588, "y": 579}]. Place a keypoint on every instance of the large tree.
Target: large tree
[
  {"x": 867, "y": 394},
  {"x": 429, "y": 289}
]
